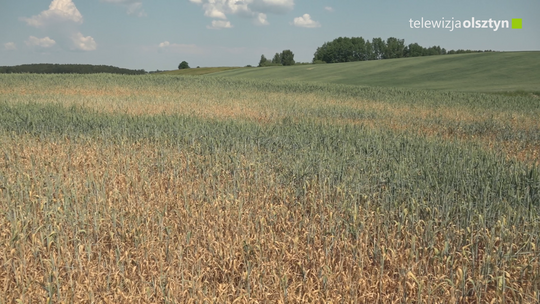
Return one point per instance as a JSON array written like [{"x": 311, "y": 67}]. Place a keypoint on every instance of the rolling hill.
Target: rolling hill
[{"x": 478, "y": 72}]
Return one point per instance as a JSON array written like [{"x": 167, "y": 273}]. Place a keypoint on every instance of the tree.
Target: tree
[
  {"x": 183, "y": 65},
  {"x": 379, "y": 48},
  {"x": 434, "y": 50},
  {"x": 263, "y": 62},
  {"x": 414, "y": 50},
  {"x": 370, "y": 55},
  {"x": 321, "y": 53},
  {"x": 344, "y": 49},
  {"x": 277, "y": 59},
  {"x": 394, "y": 48},
  {"x": 359, "y": 49},
  {"x": 287, "y": 57},
  {"x": 68, "y": 69}
]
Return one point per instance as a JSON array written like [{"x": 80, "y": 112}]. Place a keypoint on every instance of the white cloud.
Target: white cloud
[
  {"x": 213, "y": 12},
  {"x": 59, "y": 11},
  {"x": 306, "y": 21},
  {"x": 82, "y": 43},
  {"x": 219, "y": 8},
  {"x": 329, "y": 8},
  {"x": 255, "y": 9},
  {"x": 40, "y": 42},
  {"x": 133, "y": 7},
  {"x": 219, "y": 24},
  {"x": 181, "y": 48},
  {"x": 261, "y": 19},
  {"x": 10, "y": 46},
  {"x": 61, "y": 21},
  {"x": 136, "y": 9}
]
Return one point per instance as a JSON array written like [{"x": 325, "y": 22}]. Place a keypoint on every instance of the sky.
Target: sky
[{"x": 159, "y": 34}]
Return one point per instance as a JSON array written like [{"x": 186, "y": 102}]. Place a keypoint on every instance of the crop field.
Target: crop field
[
  {"x": 197, "y": 71},
  {"x": 476, "y": 72},
  {"x": 179, "y": 189}
]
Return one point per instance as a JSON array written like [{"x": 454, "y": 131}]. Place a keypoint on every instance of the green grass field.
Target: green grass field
[
  {"x": 197, "y": 71},
  {"x": 477, "y": 72}
]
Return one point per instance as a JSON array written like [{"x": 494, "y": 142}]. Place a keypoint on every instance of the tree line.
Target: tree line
[
  {"x": 344, "y": 49},
  {"x": 286, "y": 57},
  {"x": 47, "y": 68}
]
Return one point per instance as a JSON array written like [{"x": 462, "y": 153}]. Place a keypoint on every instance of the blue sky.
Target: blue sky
[{"x": 159, "y": 34}]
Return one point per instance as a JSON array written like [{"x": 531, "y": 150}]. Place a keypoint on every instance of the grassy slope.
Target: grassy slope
[
  {"x": 197, "y": 71},
  {"x": 481, "y": 72}
]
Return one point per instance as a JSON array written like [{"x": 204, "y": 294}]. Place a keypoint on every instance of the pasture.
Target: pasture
[{"x": 179, "y": 189}]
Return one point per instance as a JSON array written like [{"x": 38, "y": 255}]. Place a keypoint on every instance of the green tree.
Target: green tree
[
  {"x": 277, "y": 59},
  {"x": 183, "y": 65},
  {"x": 321, "y": 53},
  {"x": 287, "y": 57},
  {"x": 414, "y": 50},
  {"x": 263, "y": 62},
  {"x": 379, "y": 48},
  {"x": 370, "y": 55},
  {"x": 394, "y": 48},
  {"x": 434, "y": 50},
  {"x": 68, "y": 69},
  {"x": 359, "y": 49}
]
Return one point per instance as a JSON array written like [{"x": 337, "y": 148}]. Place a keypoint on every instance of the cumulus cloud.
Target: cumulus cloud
[
  {"x": 213, "y": 12},
  {"x": 45, "y": 42},
  {"x": 10, "y": 46},
  {"x": 59, "y": 11},
  {"x": 219, "y": 24},
  {"x": 180, "y": 48},
  {"x": 306, "y": 21},
  {"x": 61, "y": 21},
  {"x": 261, "y": 19},
  {"x": 255, "y": 9},
  {"x": 220, "y": 8},
  {"x": 82, "y": 43},
  {"x": 164, "y": 44},
  {"x": 133, "y": 7},
  {"x": 329, "y": 8}
]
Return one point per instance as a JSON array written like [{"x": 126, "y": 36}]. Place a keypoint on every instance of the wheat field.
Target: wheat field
[{"x": 165, "y": 189}]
